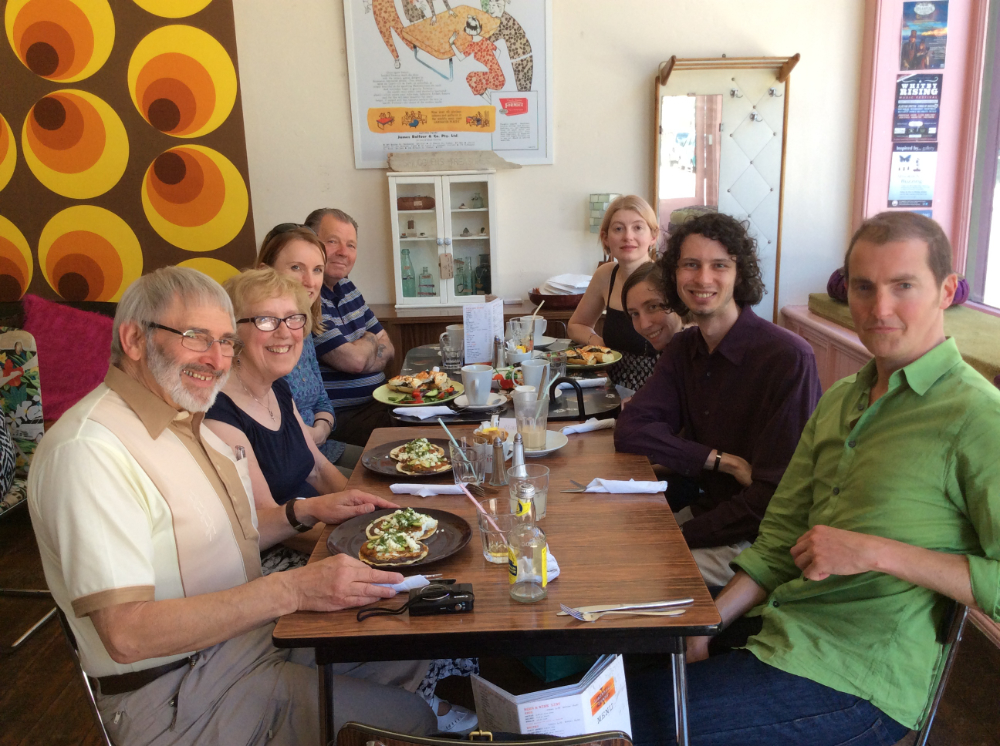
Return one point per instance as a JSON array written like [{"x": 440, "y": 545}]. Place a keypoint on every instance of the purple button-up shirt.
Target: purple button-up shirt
[{"x": 750, "y": 397}]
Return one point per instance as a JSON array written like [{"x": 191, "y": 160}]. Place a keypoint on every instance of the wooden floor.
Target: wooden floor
[{"x": 42, "y": 702}]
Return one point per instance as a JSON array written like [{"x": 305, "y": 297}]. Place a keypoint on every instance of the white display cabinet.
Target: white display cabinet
[{"x": 445, "y": 252}]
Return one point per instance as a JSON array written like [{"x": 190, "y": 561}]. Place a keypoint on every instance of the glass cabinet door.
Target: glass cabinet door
[
  {"x": 419, "y": 239},
  {"x": 469, "y": 207}
]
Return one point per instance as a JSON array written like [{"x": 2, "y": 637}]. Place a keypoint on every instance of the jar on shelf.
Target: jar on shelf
[
  {"x": 426, "y": 284},
  {"x": 408, "y": 275},
  {"x": 476, "y": 201}
]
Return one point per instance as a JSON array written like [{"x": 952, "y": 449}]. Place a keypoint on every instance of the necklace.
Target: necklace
[{"x": 266, "y": 396}]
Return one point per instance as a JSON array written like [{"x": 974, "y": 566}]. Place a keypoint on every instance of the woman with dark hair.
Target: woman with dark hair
[
  {"x": 295, "y": 251},
  {"x": 642, "y": 299}
]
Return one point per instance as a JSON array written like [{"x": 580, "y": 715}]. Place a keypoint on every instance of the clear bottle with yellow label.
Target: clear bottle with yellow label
[{"x": 527, "y": 563}]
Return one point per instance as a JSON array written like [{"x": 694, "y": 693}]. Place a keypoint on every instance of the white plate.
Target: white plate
[
  {"x": 494, "y": 400},
  {"x": 554, "y": 440},
  {"x": 544, "y": 342}
]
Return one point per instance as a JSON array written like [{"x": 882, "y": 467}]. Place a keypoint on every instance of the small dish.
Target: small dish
[
  {"x": 543, "y": 342},
  {"x": 554, "y": 440},
  {"x": 494, "y": 400}
]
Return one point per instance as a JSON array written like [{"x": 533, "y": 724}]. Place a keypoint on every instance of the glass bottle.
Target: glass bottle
[
  {"x": 482, "y": 275},
  {"x": 426, "y": 286},
  {"x": 527, "y": 563},
  {"x": 409, "y": 276},
  {"x": 460, "y": 284}
]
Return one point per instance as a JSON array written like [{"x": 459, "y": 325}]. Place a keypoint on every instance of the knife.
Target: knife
[{"x": 621, "y": 607}]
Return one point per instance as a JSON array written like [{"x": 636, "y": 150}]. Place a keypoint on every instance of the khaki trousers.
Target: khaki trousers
[
  {"x": 713, "y": 561},
  {"x": 247, "y": 691}
]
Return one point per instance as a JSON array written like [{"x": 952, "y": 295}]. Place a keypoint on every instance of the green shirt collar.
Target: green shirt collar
[{"x": 919, "y": 375}]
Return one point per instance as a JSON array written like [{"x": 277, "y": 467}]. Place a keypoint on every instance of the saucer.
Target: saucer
[
  {"x": 554, "y": 440},
  {"x": 544, "y": 342},
  {"x": 494, "y": 400}
]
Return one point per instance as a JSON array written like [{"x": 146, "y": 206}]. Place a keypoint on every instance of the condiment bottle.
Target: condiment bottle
[
  {"x": 527, "y": 563},
  {"x": 498, "y": 477},
  {"x": 522, "y": 501},
  {"x": 517, "y": 461}
]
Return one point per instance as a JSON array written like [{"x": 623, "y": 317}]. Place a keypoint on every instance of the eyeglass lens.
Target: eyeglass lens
[
  {"x": 198, "y": 342},
  {"x": 270, "y": 323}
]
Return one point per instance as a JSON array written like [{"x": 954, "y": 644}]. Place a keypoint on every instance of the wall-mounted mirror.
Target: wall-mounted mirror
[{"x": 720, "y": 145}]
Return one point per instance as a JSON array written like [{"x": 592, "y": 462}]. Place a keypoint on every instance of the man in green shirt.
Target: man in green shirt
[{"x": 889, "y": 508}]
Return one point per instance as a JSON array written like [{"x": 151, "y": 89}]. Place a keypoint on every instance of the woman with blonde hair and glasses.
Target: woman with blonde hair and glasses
[
  {"x": 295, "y": 251},
  {"x": 628, "y": 234}
]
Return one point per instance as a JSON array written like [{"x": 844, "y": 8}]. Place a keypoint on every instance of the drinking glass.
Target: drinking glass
[
  {"x": 532, "y": 415},
  {"x": 452, "y": 349},
  {"x": 521, "y": 330},
  {"x": 468, "y": 470},
  {"x": 495, "y": 537},
  {"x": 557, "y": 364},
  {"x": 538, "y": 477}
]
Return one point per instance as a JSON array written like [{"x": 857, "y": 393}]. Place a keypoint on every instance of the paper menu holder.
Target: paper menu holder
[
  {"x": 483, "y": 322},
  {"x": 598, "y": 702}
]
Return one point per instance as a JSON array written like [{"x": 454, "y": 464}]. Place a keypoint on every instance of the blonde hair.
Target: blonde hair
[
  {"x": 270, "y": 250},
  {"x": 636, "y": 204},
  {"x": 255, "y": 285}
]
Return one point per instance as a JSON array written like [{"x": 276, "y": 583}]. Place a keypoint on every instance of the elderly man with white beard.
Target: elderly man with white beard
[{"x": 151, "y": 546}]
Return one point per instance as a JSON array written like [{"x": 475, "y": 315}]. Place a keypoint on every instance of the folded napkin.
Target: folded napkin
[
  {"x": 425, "y": 490},
  {"x": 592, "y": 424},
  {"x": 408, "y": 584},
  {"x": 586, "y": 383},
  {"x": 551, "y": 566},
  {"x": 423, "y": 412},
  {"x": 626, "y": 488}
]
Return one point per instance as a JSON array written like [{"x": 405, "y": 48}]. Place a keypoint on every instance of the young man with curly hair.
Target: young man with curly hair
[{"x": 728, "y": 399}]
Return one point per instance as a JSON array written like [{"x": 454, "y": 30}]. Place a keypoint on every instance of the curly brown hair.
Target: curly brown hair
[{"x": 733, "y": 235}]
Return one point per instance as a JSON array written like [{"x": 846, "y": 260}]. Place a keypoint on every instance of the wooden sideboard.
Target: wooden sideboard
[
  {"x": 839, "y": 352},
  {"x": 409, "y": 328}
]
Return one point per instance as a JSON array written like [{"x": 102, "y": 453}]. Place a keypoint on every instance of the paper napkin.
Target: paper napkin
[
  {"x": 592, "y": 424},
  {"x": 586, "y": 383},
  {"x": 408, "y": 584},
  {"x": 423, "y": 412},
  {"x": 425, "y": 490},
  {"x": 625, "y": 488}
]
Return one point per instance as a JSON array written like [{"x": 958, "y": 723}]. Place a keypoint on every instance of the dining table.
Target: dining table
[
  {"x": 610, "y": 548},
  {"x": 600, "y": 402}
]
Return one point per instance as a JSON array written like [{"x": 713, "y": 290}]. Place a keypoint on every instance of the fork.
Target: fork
[
  {"x": 593, "y": 616},
  {"x": 476, "y": 489},
  {"x": 578, "y": 487}
]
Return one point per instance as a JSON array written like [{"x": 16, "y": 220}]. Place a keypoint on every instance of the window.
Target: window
[{"x": 982, "y": 268}]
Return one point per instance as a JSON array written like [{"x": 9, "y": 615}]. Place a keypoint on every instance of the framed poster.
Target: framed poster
[
  {"x": 435, "y": 75},
  {"x": 925, "y": 35},
  {"x": 918, "y": 107}
]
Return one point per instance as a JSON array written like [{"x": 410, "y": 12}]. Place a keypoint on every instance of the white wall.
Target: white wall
[{"x": 296, "y": 103}]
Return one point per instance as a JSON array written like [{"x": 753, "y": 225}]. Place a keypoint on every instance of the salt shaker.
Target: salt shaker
[
  {"x": 517, "y": 462},
  {"x": 498, "y": 477}
]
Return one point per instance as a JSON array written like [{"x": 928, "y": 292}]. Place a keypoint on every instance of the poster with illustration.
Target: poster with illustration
[
  {"x": 924, "y": 36},
  {"x": 437, "y": 75},
  {"x": 911, "y": 177},
  {"x": 918, "y": 107}
]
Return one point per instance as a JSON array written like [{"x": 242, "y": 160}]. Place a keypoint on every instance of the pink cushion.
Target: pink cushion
[{"x": 73, "y": 351}]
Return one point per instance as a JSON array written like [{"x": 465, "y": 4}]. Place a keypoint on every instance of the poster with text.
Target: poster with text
[
  {"x": 438, "y": 75},
  {"x": 911, "y": 178},
  {"x": 918, "y": 107},
  {"x": 924, "y": 36}
]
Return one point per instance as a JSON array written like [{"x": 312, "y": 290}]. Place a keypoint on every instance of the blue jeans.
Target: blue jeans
[{"x": 736, "y": 699}]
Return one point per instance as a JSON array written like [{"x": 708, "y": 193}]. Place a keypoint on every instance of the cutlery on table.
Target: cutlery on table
[
  {"x": 593, "y": 616},
  {"x": 648, "y": 606},
  {"x": 579, "y": 487}
]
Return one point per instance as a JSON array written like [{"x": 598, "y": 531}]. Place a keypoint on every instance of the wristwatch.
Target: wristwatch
[{"x": 290, "y": 515}]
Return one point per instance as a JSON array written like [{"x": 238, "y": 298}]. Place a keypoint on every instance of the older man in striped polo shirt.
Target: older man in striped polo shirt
[{"x": 354, "y": 349}]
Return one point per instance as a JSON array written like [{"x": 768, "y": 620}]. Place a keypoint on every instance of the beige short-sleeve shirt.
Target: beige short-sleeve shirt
[{"x": 132, "y": 500}]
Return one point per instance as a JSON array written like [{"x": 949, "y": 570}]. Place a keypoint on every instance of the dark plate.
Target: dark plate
[
  {"x": 453, "y": 533},
  {"x": 379, "y": 460}
]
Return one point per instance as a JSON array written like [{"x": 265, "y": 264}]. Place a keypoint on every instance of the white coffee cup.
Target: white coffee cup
[
  {"x": 538, "y": 330},
  {"x": 477, "y": 380},
  {"x": 534, "y": 370}
]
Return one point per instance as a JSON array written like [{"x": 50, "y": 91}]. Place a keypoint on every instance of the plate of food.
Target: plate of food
[
  {"x": 425, "y": 387},
  {"x": 591, "y": 356},
  {"x": 400, "y": 538},
  {"x": 421, "y": 457},
  {"x": 507, "y": 378}
]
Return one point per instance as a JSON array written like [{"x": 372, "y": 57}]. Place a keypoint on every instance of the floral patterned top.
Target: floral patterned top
[{"x": 310, "y": 396}]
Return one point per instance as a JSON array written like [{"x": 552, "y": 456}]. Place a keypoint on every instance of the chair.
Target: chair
[
  {"x": 952, "y": 628},
  {"x": 355, "y": 734},
  {"x": 71, "y": 641},
  {"x": 21, "y": 401}
]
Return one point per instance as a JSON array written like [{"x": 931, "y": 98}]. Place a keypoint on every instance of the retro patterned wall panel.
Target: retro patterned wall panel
[{"x": 122, "y": 145}]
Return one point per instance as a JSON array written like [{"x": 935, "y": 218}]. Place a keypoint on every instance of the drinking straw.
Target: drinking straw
[
  {"x": 454, "y": 442},
  {"x": 462, "y": 486}
]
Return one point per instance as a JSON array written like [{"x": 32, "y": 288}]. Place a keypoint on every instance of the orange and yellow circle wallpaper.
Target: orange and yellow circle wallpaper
[{"x": 122, "y": 146}]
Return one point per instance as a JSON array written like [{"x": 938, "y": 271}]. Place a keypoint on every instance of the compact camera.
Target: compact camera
[{"x": 441, "y": 599}]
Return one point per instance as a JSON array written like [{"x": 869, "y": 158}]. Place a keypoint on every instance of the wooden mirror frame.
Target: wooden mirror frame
[{"x": 782, "y": 67}]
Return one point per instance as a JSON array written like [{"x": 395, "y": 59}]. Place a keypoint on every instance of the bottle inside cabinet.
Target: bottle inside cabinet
[{"x": 408, "y": 275}]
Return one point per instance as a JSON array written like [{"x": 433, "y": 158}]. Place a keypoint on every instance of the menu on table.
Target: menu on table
[{"x": 483, "y": 323}]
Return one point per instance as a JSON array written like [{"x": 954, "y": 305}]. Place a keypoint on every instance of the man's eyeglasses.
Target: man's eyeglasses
[
  {"x": 270, "y": 323},
  {"x": 198, "y": 341}
]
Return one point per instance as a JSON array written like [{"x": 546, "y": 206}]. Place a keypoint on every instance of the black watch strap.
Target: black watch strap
[
  {"x": 290, "y": 515},
  {"x": 718, "y": 460}
]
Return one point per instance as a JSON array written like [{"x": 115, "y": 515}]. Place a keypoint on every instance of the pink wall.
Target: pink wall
[{"x": 960, "y": 95}]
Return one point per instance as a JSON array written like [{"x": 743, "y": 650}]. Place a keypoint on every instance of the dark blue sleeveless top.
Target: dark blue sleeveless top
[{"x": 283, "y": 455}]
